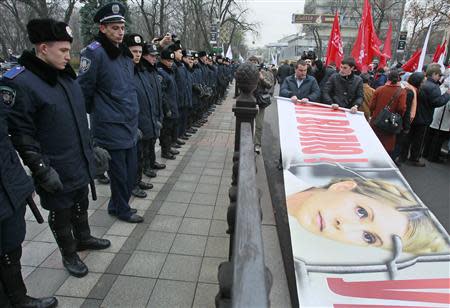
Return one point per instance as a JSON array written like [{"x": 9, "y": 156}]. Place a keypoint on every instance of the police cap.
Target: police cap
[
  {"x": 218, "y": 57},
  {"x": 177, "y": 46},
  {"x": 167, "y": 53},
  {"x": 133, "y": 39},
  {"x": 150, "y": 49},
  {"x": 48, "y": 30},
  {"x": 110, "y": 13},
  {"x": 201, "y": 54},
  {"x": 188, "y": 53}
]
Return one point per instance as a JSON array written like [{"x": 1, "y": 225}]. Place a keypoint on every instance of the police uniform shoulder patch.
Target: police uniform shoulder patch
[
  {"x": 94, "y": 45},
  {"x": 8, "y": 95},
  {"x": 14, "y": 72},
  {"x": 160, "y": 78},
  {"x": 85, "y": 64}
]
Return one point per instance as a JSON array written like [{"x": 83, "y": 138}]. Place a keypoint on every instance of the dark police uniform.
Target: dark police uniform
[
  {"x": 106, "y": 77},
  {"x": 170, "y": 105},
  {"x": 181, "y": 76}
]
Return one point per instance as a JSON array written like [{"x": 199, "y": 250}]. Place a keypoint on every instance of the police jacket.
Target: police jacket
[
  {"x": 156, "y": 90},
  {"x": 188, "y": 84},
  {"x": 222, "y": 75},
  {"x": 149, "y": 114},
  {"x": 197, "y": 79},
  {"x": 429, "y": 98},
  {"x": 204, "y": 72},
  {"x": 345, "y": 91},
  {"x": 180, "y": 78},
  {"x": 15, "y": 185},
  {"x": 49, "y": 118},
  {"x": 107, "y": 78},
  {"x": 308, "y": 89},
  {"x": 169, "y": 91},
  {"x": 283, "y": 72}
]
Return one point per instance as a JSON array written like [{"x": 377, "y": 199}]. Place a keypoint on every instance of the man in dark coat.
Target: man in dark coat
[
  {"x": 149, "y": 58},
  {"x": 182, "y": 87},
  {"x": 429, "y": 98},
  {"x": 106, "y": 77},
  {"x": 300, "y": 86},
  {"x": 15, "y": 188},
  {"x": 344, "y": 89},
  {"x": 146, "y": 126},
  {"x": 170, "y": 105},
  {"x": 49, "y": 129},
  {"x": 283, "y": 72}
]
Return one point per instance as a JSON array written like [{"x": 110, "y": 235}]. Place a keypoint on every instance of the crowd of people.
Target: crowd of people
[
  {"x": 421, "y": 99},
  {"x": 70, "y": 129}
]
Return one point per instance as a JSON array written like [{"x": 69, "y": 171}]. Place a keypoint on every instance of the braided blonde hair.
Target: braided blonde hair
[{"x": 421, "y": 236}]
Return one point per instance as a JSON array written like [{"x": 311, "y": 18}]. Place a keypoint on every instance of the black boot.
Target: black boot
[
  {"x": 14, "y": 287},
  {"x": 82, "y": 232},
  {"x": 167, "y": 155},
  {"x": 174, "y": 152},
  {"x": 157, "y": 165},
  {"x": 61, "y": 226},
  {"x": 150, "y": 173},
  {"x": 138, "y": 192}
]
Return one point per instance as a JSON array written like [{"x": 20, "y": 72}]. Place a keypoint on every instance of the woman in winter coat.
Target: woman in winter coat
[{"x": 381, "y": 97}]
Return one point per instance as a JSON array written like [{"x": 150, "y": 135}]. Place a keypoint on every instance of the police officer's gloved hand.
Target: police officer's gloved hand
[
  {"x": 158, "y": 124},
  {"x": 140, "y": 135},
  {"x": 169, "y": 114},
  {"x": 101, "y": 158},
  {"x": 45, "y": 176}
]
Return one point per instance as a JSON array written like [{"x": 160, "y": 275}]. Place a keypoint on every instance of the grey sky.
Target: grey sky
[{"x": 274, "y": 17}]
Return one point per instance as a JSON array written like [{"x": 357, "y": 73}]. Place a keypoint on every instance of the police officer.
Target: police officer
[
  {"x": 15, "y": 188},
  {"x": 146, "y": 125},
  {"x": 188, "y": 61},
  {"x": 170, "y": 106},
  {"x": 106, "y": 77},
  {"x": 49, "y": 129},
  {"x": 180, "y": 78},
  {"x": 149, "y": 59}
]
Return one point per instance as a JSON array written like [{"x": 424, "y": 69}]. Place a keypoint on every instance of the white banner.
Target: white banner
[{"x": 360, "y": 236}]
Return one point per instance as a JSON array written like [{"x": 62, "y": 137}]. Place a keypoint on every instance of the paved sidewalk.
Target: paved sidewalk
[{"x": 171, "y": 259}]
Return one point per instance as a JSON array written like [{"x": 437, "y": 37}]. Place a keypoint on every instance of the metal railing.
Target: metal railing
[{"x": 244, "y": 280}]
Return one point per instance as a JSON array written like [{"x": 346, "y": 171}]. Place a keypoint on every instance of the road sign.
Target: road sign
[
  {"x": 213, "y": 39},
  {"x": 402, "y": 41},
  {"x": 312, "y": 19},
  {"x": 401, "y": 45},
  {"x": 403, "y": 36}
]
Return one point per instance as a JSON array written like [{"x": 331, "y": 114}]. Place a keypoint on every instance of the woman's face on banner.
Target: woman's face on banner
[{"x": 340, "y": 214}]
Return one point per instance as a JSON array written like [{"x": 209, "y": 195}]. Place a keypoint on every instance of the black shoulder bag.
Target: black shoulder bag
[{"x": 388, "y": 121}]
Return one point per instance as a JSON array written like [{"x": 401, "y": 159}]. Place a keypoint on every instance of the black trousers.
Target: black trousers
[
  {"x": 12, "y": 231},
  {"x": 149, "y": 156},
  {"x": 167, "y": 134},
  {"x": 433, "y": 143},
  {"x": 413, "y": 143},
  {"x": 140, "y": 161}
]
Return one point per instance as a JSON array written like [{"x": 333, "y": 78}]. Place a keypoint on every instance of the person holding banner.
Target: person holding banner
[
  {"x": 300, "y": 86},
  {"x": 394, "y": 95},
  {"x": 344, "y": 89},
  {"x": 363, "y": 212}
]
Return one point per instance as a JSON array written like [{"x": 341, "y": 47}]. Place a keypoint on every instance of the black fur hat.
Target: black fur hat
[
  {"x": 133, "y": 39},
  {"x": 48, "y": 30}
]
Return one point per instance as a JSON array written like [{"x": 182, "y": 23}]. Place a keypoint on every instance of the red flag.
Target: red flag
[
  {"x": 367, "y": 43},
  {"x": 440, "y": 49},
  {"x": 387, "y": 52},
  {"x": 335, "y": 52},
  {"x": 413, "y": 62}
]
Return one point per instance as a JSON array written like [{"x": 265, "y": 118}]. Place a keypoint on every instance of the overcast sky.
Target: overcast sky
[{"x": 274, "y": 17}]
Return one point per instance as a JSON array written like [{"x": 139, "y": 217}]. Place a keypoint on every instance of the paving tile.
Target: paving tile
[
  {"x": 165, "y": 172},
  {"x": 207, "y": 199},
  {"x": 98, "y": 261},
  {"x": 172, "y": 294},
  {"x": 208, "y": 179},
  {"x": 27, "y": 270},
  {"x": 98, "y": 231},
  {"x": 223, "y": 189},
  {"x": 223, "y": 200},
  {"x": 192, "y": 245},
  {"x": 160, "y": 179},
  {"x": 214, "y": 165},
  {"x": 173, "y": 208},
  {"x": 193, "y": 170},
  {"x": 179, "y": 196},
  {"x": 218, "y": 228},
  {"x": 189, "y": 177},
  {"x": 151, "y": 195},
  {"x": 76, "y": 287},
  {"x": 205, "y": 295},
  {"x": 210, "y": 269},
  {"x": 101, "y": 289},
  {"x": 194, "y": 226},
  {"x": 118, "y": 263},
  {"x": 116, "y": 242},
  {"x": 36, "y": 252},
  {"x": 55, "y": 259},
  {"x": 156, "y": 241},
  {"x": 141, "y": 204},
  {"x": 212, "y": 172},
  {"x": 207, "y": 189},
  {"x": 44, "y": 282},
  {"x": 178, "y": 267},
  {"x": 193, "y": 164},
  {"x": 200, "y": 211},
  {"x": 69, "y": 302},
  {"x": 165, "y": 223},
  {"x": 103, "y": 190},
  {"x": 33, "y": 229},
  {"x": 92, "y": 303},
  {"x": 144, "y": 264},
  {"x": 129, "y": 292},
  {"x": 220, "y": 212},
  {"x": 185, "y": 186},
  {"x": 101, "y": 218},
  {"x": 94, "y": 205},
  {"x": 45, "y": 236},
  {"x": 121, "y": 228},
  {"x": 217, "y": 247}
]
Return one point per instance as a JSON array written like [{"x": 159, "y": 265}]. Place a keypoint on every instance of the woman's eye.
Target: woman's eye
[
  {"x": 369, "y": 238},
  {"x": 361, "y": 212}
]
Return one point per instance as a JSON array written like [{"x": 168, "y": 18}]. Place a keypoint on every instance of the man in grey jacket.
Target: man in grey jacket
[{"x": 300, "y": 86}]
